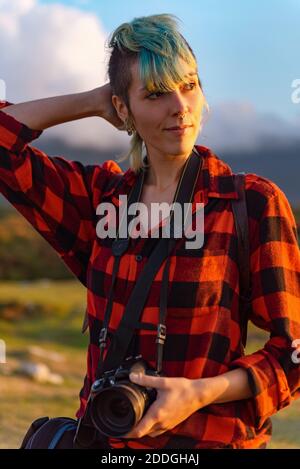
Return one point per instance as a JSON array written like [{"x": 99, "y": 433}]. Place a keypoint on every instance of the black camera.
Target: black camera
[{"x": 116, "y": 404}]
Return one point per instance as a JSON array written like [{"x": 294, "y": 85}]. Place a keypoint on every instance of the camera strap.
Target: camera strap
[
  {"x": 122, "y": 337},
  {"x": 240, "y": 213}
]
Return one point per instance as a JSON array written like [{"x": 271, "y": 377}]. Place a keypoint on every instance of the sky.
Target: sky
[
  {"x": 246, "y": 49},
  {"x": 247, "y": 53}
]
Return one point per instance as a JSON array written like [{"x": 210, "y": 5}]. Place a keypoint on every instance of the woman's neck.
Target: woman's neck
[{"x": 163, "y": 174}]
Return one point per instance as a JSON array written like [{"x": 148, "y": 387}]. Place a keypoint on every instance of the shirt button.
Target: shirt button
[{"x": 138, "y": 257}]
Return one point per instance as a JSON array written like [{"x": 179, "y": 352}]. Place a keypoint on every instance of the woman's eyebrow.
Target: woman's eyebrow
[{"x": 191, "y": 74}]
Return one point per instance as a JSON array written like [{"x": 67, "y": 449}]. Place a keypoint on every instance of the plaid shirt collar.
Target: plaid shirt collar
[{"x": 216, "y": 180}]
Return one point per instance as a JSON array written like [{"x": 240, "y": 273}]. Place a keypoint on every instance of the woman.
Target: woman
[{"x": 223, "y": 399}]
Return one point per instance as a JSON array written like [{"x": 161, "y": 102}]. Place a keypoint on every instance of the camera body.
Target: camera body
[{"x": 116, "y": 404}]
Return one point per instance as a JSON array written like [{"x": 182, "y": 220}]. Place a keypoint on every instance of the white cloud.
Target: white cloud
[
  {"x": 50, "y": 50},
  {"x": 235, "y": 125}
]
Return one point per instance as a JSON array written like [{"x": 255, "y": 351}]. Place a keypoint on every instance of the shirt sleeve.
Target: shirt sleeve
[
  {"x": 274, "y": 371},
  {"x": 57, "y": 196}
]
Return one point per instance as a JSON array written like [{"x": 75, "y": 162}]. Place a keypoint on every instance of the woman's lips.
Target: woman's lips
[{"x": 182, "y": 131}]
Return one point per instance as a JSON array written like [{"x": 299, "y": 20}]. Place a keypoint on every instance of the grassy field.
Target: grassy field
[{"x": 22, "y": 400}]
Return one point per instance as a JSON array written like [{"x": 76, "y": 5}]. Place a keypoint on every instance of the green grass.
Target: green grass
[
  {"x": 62, "y": 296},
  {"x": 23, "y": 400}
]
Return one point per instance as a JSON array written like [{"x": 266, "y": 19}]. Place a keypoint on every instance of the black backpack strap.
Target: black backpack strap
[{"x": 239, "y": 207}]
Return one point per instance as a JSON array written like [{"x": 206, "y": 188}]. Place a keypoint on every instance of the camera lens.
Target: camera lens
[
  {"x": 120, "y": 407},
  {"x": 115, "y": 411}
]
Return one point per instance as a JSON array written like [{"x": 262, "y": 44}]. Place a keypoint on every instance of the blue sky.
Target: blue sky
[{"x": 247, "y": 50}]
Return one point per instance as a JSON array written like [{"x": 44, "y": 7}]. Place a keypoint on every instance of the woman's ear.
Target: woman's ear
[{"x": 120, "y": 107}]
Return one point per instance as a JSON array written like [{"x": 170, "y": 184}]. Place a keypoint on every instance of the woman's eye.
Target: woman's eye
[
  {"x": 158, "y": 93},
  {"x": 153, "y": 94},
  {"x": 192, "y": 85}
]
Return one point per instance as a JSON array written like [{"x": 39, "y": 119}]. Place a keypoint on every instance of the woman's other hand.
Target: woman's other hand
[{"x": 177, "y": 399}]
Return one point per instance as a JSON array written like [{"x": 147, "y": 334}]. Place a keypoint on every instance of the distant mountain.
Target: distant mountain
[{"x": 279, "y": 162}]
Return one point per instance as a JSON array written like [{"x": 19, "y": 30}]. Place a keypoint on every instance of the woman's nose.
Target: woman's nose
[{"x": 179, "y": 104}]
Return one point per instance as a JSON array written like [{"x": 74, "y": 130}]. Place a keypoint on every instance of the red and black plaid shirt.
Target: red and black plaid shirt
[{"x": 59, "y": 198}]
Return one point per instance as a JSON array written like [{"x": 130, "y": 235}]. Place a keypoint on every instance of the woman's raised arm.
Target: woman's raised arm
[
  {"x": 57, "y": 196},
  {"x": 48, "y": 112}
]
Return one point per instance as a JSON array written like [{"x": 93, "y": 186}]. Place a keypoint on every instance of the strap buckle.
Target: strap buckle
[
  {"x": 161, "y": 333},
  {"x": 102, "y": 337}
]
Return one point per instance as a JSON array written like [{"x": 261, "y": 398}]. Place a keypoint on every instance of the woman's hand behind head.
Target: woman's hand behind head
[{"x": 104, "y": 107}]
